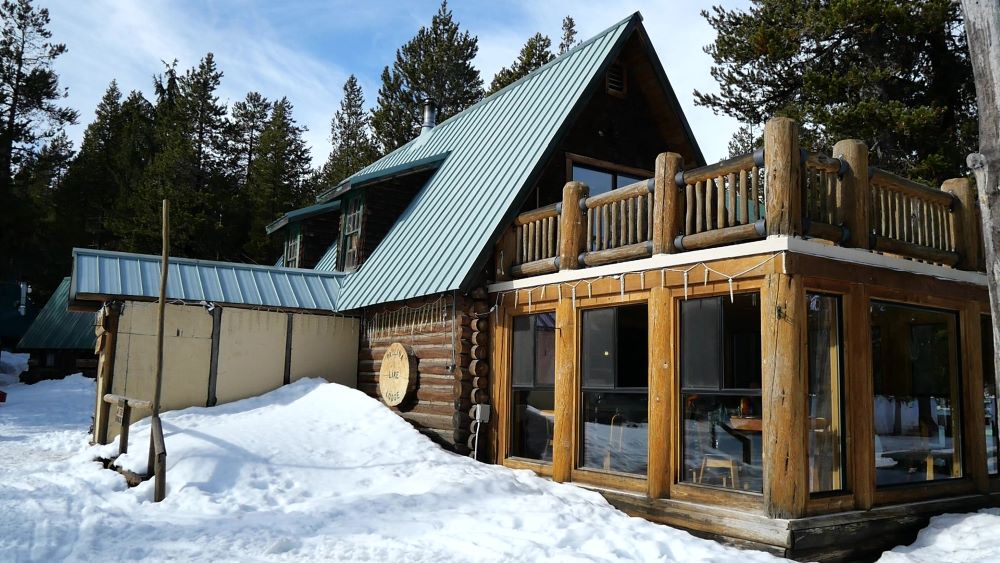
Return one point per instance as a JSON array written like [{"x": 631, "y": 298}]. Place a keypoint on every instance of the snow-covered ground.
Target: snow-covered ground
[{"x": 315, "y": 471}]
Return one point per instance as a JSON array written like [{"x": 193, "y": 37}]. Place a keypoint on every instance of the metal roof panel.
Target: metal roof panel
[{"x": 56, "y": 328}]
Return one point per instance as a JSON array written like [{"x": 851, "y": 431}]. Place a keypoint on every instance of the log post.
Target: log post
[
  {"x": 572, "y": 225},
  {"x": 661, "y": 377},
  {"x": 784, "y": 390},
  {"x": 966, "y": 222},
  {"x": 860, "y": 396},
  {"x": 856, "y": 195},
  {"x": 565, "y": 399},
  {"x": 666, "y": 203},
  {"x": 506, "y": 251},
  {"x": 783, "y": 180},
  {"x": 105, "y": 368}
]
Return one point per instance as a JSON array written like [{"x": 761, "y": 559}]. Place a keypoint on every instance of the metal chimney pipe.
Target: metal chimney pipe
[{"x": 430, "y": 115}]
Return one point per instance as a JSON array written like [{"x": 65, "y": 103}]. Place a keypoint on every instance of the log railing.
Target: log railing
[
  {"x": 619, "y": 225},
  {"x": 911, "y": 219},
  {"x": 823, "y": 197},
  {"x": 778, "y": 190},
  {"x": 722, "y": 203}
]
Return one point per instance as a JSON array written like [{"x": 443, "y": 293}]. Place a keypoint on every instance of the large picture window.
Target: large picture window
[
  {"x": 615, "y": 375},
  {"x": 827, "y": 470},
  {"x": 989, "y": 395},
  {"x": 915, "y": 365},
  {"x": 720, "y": 392},
  {"x": 533, "y": 381}
]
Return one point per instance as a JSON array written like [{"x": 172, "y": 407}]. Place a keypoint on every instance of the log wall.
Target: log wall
[{"x": 448, "y": 337}]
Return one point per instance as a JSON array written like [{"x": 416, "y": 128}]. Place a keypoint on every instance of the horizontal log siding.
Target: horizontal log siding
[{"x": 443, "y": 350}]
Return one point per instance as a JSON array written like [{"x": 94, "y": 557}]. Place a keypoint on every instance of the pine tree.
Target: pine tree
[
  {"x": 278, "y": 179},
  {"x": 393, "y": 121},
  {"x": 535, "y": 53},
  {"x": 568, "y": 35},
  {"x": 30, "y": 116},
  {"x": 893, "y": 73},
  {"x": 249, "y": 118},
  {"x": 353, "y": 147},
  {"x": 436, "y": 64}
]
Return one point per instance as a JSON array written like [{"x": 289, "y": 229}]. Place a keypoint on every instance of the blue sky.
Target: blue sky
[{"x": 306, "y": 49}]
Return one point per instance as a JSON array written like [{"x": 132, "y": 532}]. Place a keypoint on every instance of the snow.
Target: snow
[
  {"x": 11, "y": 366},
  {"x": 310, "y": 471},
  {"x": 970, "y": 538},
  {"x": 317, "y": 471}
]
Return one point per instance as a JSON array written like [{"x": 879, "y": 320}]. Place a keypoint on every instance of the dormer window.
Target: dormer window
[
  {"x": 293, "y": 244},
  {"x": 350, "y": 239}
]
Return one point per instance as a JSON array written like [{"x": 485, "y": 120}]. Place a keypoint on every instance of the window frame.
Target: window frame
[
  {"x": 598, "y": 165},
  {"x": 847, "y": 485},
  {"x": 510, "y": 386},
  {"x": 351, "y": 227},
  {"x": 293, "y": 246}
]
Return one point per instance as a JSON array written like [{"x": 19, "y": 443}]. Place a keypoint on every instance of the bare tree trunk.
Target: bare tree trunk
[{"x": 982, "y": 28}]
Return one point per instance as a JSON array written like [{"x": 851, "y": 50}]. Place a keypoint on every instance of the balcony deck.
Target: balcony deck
[{"x": 850, "y": 211}]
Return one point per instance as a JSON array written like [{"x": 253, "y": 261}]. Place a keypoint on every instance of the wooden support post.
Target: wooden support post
[
  {"x": 974, "y": 414},
  {"x": 126, "y": 421},
  {"x": 783, "y": 180},
  {"x": 666, "y": 203},
  {"x": 661, "y": 389},
  {"x": 784, "y": 390},
  {"x": 856, "y": 193},
  {"x": 572, "y": 222},
  {"x": 566, "y": 391},
  {"x": 966, "y": 222},
  {"x": 159, "y": 454},
  {"x": 506, "y": 252},
  {"x": 106, "y": 369},
  {"x": 859, "y": 396}
]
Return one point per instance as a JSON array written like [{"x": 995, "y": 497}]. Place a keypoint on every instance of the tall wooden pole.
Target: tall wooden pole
[
  {"x": 982, "y": 31},
  {"x": 783, "y": 182},
  {"x": 157, "y": 451},
  {"x": 160, "y": 307}
]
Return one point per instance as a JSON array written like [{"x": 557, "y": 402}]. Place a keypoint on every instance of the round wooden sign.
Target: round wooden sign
[{"x": 395, "y": 379}]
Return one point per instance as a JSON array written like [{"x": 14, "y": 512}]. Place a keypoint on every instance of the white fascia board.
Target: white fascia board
[{"x": 771, "y": 245}]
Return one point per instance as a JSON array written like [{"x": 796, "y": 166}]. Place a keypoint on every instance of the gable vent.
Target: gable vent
[{"x": 615, "y": 80}]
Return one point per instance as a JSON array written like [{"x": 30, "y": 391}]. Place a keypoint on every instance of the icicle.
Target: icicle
[
  {"x": 529, "y": 298},
  {"x": 685, "y": 285},
  {"x": 731, "y": 297},
  {"x": 706, "y": 273},
  {"x": 590, "y": 290},
  {"x": 543, "y": 293},
  {"x": 517, "y": 297},
  {"x": 642, "y": 281},
  {"x": 621, "y": 285},
  {"x": 574, "y": 297}
]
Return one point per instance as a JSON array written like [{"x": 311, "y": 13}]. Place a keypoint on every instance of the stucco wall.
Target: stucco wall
[
  {"x": 252, "y": 349},
  {"x": 251, "y": 353},
  {"x": 325, "y": 347}
]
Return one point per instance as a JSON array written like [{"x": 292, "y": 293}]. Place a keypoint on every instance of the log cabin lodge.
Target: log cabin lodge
[{"x": 785, "y": 350}]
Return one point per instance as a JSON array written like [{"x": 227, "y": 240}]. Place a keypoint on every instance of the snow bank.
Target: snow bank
[
  {"x": 316, "y": 471},
  {"x": 11, "y": 366},
  {"x": 970, "y": 538}
]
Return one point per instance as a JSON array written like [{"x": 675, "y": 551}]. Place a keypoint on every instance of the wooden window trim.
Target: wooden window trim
[
  {"x": 503, "y": 329},
  {"x": 573, "y": 158}
]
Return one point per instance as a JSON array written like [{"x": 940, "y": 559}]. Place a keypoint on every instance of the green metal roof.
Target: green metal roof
[
  {"x": 56, "y": 328},
  {"x": 303, "y": 213},
  {"x": 328, "y": 263},
  {"x": 495, "y": 150}
]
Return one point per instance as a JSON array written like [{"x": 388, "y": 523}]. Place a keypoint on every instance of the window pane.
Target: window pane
[
  {"x": 545, "y": 349},
  {"x": 598, "y": 351},
  {"x": 722, "y": 436},
  {"x": 826, "y": 459},
  {"x": 624, "y": 180},
  {"x": 989, "y": 394},
  {"x": 701, "y": 343},
  {"x": 741, "y": 326},
  {"x": 533, "y": 396},
  {"x": 632, "y": 353},
  {"x": 917, "y": 408},
  {"x": 533, "y": 422},
  {"x": 522, "y": 355},
  {"x": 613, "y": 434},
  {"x": 599, "y": 181}
]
